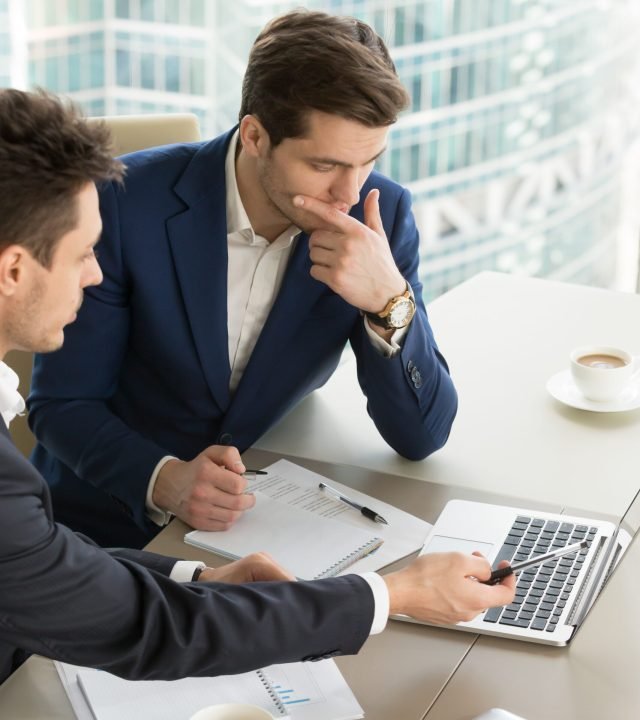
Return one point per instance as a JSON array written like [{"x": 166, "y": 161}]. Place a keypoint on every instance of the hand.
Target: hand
[
  {"x": 252, "y": 568},
  {"x": 353, "y": 259},
  {"x": 443, "y": 588},
  {"x": 207, "y": 492}
]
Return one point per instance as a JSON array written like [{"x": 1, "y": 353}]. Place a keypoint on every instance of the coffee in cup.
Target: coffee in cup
[{"x": 602, "y": 373}]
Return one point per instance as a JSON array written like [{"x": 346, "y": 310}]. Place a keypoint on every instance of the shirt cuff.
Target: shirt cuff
[
  {"x": 183, "y": 570},
  {"x": 380, "y": 599},
  {"x": 157, "y": 515},
  {"x": 387, "y": 349}
]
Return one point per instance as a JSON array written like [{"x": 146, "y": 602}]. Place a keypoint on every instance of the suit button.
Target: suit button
[
  {"x": 416, "y": 377},
  {"x": 225, "y": 439}
]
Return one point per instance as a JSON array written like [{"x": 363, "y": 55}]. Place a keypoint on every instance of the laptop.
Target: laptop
[{"x": 552, "y": 599}]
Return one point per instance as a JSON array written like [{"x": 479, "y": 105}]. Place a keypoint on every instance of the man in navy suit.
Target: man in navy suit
[
  {"x": 125, "y": 610},
  {"x": 235, "y": 271}
]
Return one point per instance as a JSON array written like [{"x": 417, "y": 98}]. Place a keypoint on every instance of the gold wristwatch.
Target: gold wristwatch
[{"x": 397, "y": 313}]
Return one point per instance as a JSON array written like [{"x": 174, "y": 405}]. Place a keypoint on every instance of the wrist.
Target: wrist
[{"x": 164, "y": 489}]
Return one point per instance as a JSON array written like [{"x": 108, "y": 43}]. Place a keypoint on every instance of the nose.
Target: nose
[
  {"x": 92, "y": 275},
  {"x": 346, "y": 187}
]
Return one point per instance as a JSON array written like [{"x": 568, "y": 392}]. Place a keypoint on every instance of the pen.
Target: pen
[
  {"x": 367, "y": 512},
  {"x": 497, "y": 575},
  {"x": 254, "y": 472}
]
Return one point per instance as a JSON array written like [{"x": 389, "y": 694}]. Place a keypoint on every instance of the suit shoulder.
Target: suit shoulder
[{"x": 164, "y": 160}]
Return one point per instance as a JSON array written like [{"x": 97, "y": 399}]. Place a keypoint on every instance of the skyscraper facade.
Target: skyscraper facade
[{"x": 517, "y": 146}]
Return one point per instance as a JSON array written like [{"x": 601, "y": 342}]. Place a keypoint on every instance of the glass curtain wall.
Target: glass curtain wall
[{"x": 520, "y": 147}]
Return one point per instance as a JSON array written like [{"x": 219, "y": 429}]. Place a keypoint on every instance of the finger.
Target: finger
[
  {"x": 215, "y": 477},
  {"x": 478, "y": 566},
  {"x": 372, "y": 217},
  {"x": 320, "y": 256},
  {"x": 225, "y": 455},
  {"x": 332, "y": 218}
]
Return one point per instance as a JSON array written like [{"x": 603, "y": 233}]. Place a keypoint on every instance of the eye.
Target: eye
[
  {"x": 323, "y": 167},
  {"x": 92, "y": 254}
]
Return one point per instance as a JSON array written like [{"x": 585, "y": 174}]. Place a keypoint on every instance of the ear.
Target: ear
[
  {"x": 254, "y": 138},
  {"x": 14, "y": 266}
]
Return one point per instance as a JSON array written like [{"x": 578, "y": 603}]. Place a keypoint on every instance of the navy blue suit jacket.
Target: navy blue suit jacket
[
  {"x": 65, "y": 598},
  {"x": 144, "y": 372}
]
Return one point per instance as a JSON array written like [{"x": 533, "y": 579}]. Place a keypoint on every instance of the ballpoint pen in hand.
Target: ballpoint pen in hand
[
  {"x": 367, "y": 512},
  {"x": 250, "y": 473},
  {"x": 497, "y": 575}
]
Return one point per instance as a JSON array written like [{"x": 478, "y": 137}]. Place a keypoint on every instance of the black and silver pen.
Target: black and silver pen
[
  {"x": 497, "y": 575},
  {"x": 254, "y": 472},
  {"x": 367, "y": 512}
]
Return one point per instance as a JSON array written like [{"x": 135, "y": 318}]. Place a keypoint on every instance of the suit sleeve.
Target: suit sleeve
[
  {"x": 410, "y": 396},
  {"x": 69, "y": 403},
  {"x": 67, "y": 599}
]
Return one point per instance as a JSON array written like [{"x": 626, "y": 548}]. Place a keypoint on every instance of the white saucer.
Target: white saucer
[{"x": 562, "y": 388}]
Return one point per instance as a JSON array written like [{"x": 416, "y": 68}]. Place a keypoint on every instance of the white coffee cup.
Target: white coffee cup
[
  {"x": 601, "y": 372},
  {"x": 232, "y": 711}
]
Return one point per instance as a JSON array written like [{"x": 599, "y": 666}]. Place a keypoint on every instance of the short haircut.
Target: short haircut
[
  {"x": 306, "y": 61},
  {"x": 48, "y": 153}
]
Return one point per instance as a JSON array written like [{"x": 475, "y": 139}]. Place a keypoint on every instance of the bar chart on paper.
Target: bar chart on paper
[{"x": 314, "y": 691}]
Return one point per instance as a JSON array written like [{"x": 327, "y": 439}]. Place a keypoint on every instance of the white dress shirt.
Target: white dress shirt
[{"x": 11, "y": 402}]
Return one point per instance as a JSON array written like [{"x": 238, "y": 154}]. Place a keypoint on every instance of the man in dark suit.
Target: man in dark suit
[
  {"x": 236, "y": 271},
  {"x": 125, "y": 610}
]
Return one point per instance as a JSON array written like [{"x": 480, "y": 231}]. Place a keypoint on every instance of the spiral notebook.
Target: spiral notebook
[
  {"x": 112, "y": 698},
  {"x": 302, "y": 691},
  {"x": 309, "y": 546}
]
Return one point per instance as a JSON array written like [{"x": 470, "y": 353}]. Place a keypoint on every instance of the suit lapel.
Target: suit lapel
[{"x": 198, "y": 240}]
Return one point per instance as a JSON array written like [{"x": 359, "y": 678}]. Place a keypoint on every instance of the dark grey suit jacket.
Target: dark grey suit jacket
[{"x": 65, "y": 598}]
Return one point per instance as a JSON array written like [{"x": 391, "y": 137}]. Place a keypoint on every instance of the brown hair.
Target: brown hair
[
  {"x": 306, "y": 60},
  {"x": 47, "y": 154}
]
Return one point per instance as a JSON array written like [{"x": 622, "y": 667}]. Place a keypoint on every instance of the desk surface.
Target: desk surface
[{"x": 503, "y": 338}]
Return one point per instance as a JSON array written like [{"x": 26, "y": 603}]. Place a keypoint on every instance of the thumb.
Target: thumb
[{"x": 372, "y": 217}]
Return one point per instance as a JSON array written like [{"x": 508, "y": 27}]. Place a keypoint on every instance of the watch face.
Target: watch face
[{"x": 400, "y": 314}]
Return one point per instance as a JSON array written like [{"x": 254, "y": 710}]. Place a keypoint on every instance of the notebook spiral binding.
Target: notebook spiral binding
[
  {"x": 351, "y": 558},
  {"x": 271, "y": 692}
]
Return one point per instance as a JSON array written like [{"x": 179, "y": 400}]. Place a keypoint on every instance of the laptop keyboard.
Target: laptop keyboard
[{"x": 542, "y": 591}]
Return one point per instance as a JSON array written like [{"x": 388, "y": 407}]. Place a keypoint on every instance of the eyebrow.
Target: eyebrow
[{"x": 341, "y": 163}]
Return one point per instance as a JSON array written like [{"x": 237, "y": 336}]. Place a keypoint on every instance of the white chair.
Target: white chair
[{"x": 130, "y": 132}]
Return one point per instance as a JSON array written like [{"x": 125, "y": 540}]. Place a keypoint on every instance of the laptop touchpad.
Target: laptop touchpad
[{"x": 442, "y": 543}]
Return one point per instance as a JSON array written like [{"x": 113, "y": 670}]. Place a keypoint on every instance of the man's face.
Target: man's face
[
  {"x": 331, "y": 163},
  {"x": 49, "y": 299}
]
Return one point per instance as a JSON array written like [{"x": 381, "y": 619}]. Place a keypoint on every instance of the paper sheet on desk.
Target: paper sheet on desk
[{"x": 294, "y": 485}]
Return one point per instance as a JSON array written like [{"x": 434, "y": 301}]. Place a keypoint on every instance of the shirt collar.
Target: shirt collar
[
  {"x": 11, "y": 402},
  {"x": 237, "y": 218}
]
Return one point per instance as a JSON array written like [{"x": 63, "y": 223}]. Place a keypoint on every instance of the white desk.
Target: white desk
[{"x": 503, "y": 337}]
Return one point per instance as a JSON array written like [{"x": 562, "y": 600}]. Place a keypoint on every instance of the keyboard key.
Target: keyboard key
[
  {"x": 514, "y": 622},
  {"x": 505, "y": 553},
  {"x": 492, "y": 614},
  {"x": 537, "y": 522},
  {"x": 566, "y": 527},
  {"x": 551, "y": 525},
  {"x": 538, "y": 624},
  {"x": 523, "y": 519}
]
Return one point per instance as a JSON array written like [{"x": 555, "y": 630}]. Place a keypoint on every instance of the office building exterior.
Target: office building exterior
[{"x": 517, "y": 145}]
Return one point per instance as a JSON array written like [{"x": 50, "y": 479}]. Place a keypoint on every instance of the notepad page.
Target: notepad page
[
  {"x": 307, "y": 545},
  {"x": 112, "y": 698},
  {"x": 314, "y": 691},
  {"x": 294, "y": 485}
]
